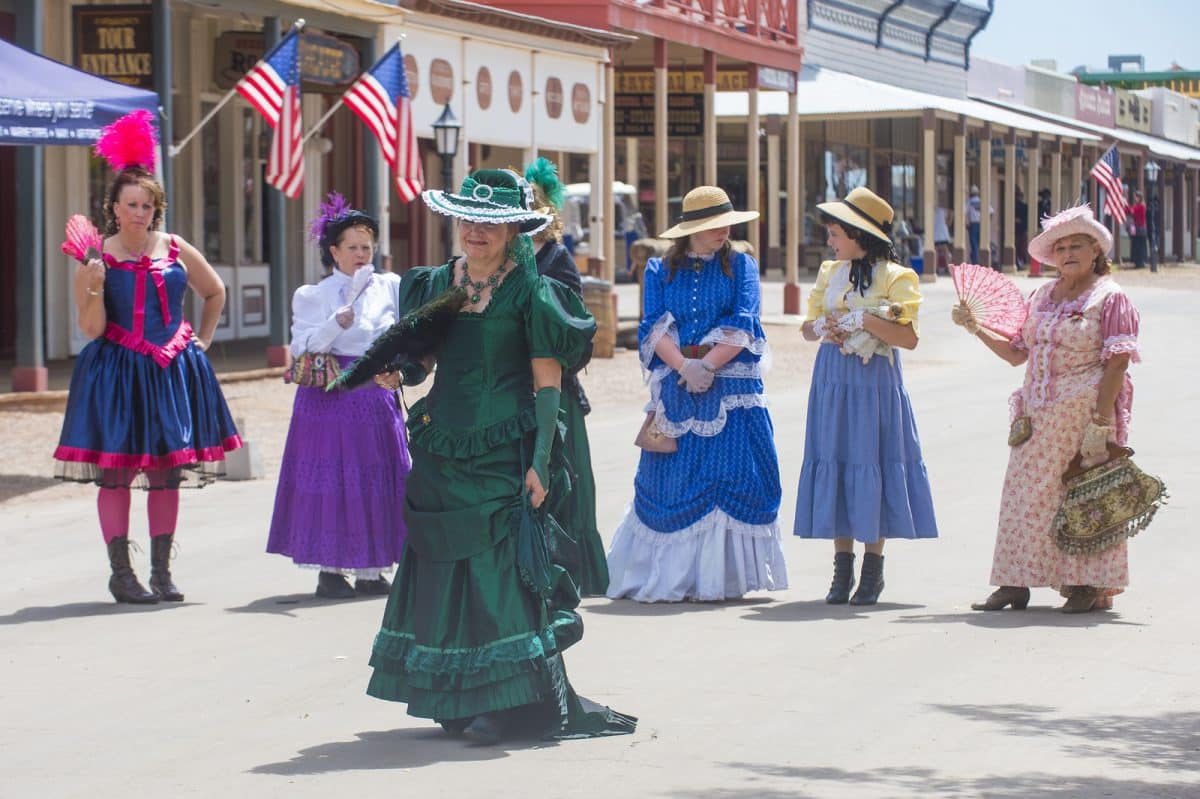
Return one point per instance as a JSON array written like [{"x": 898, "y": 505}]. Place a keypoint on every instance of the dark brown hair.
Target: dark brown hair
[
  {"x": 134, "y": 176},
  {"x": 874, "y": 247},
  {"x": 677, "y": 257}
]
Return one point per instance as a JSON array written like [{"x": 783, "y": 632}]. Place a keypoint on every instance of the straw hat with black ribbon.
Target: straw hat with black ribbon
[
  {"x": 706, "y": 208},
  {"x": 865, "y": 210}
]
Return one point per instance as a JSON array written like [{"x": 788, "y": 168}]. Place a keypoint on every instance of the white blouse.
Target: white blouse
[{"x": 314, "y": 328}]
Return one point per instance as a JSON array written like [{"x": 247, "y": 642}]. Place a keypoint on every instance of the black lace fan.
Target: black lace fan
[{"x": 416, "y": 335}]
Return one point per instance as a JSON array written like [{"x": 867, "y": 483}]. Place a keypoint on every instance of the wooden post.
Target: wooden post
[
  {"x": 753, "y": 187},
  {"x": 662, "y": 188},
  {"x": 1008, "y": 248},
  {"x": 961, "y": 179},
  {"x": 795, "y": 210},
  {"x": 710, "y": 118},
  {"x": 928, "y": 193}
]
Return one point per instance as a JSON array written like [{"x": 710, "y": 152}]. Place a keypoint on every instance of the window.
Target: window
[
  {"x": 210, "y": 159},
  {"x": 251, "y": 186}
]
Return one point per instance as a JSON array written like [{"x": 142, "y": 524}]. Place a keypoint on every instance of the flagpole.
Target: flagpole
[
  {"x": 321, "y": 122},
  {"x": 176, "y": 149}
]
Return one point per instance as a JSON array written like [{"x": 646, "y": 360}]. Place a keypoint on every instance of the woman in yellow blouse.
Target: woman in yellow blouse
[{"x": 863, "y": 478}]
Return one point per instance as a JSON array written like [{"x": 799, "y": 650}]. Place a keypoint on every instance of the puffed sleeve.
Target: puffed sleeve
[
  {"x": 557, "y": 325},
  {"x": 657, "y": 321},
  {"x": 1119, "y": 327},
  {"x": 418, "y": 286},
  {"x": 903, "y": 289},
  {"x": 816, "y": 297},
  {"x": 314, "y": 327},
  {"x": 742, "y": 326}
]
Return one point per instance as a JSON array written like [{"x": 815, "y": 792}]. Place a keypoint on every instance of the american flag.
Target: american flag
[
  {"x": 1107, "y": 173},
  {"x": 380, "y": 98},
  {"x": 272, "y": 86}
]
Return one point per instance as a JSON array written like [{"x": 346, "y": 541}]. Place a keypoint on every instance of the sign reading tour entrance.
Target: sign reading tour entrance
[{"x": 116, "y": 42}]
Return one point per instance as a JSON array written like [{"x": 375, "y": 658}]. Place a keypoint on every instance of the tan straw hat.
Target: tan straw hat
[
  {"x": 865, "y": 210},
  {"x": 705, "y": 208},
  {"x": 1068, "y": 223}
]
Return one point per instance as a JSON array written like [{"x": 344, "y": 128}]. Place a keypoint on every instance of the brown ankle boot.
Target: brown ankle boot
[
  {"x": 124, "y": 584},
  {"x": 160, "y": 569},
  {"x": 1002, "y": 597}
]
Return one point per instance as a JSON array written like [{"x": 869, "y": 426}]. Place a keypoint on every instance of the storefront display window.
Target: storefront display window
[{"x": 251, "y": 186}]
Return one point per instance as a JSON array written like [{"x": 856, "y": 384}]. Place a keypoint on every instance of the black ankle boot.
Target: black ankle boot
[
  {"x": 486, "y": 729},
  {"x": 124, "y": 584},
  {"x": 871, "y": 582},
  {"x": 331, "y": 585},
  {"x": 160, "y": 569},
  {"x": 843, "y": 578}
]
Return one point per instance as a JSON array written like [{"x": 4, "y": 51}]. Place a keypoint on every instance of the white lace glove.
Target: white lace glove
[
  {"x": 360, "y": 280},
  {"x": 851, "y": 321},
  {"x": 696, "y": 374},
  {"x": 964, "y": 316},
  {"x": 1094, "y": 448},
  {"x": 344, "y": 317},
  {"x": 821, "y": 326}
]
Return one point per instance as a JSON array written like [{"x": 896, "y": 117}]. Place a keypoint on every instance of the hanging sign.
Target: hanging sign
[
  {"x": 634, "y": 115},
  {"x": 116, "y": 42},
  {"x": 327, "y": 64}
]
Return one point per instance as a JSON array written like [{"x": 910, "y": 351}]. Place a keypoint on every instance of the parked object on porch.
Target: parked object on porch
[
  {"x": 83, "y": 241},
  {"x": 144, "y": 409},
  {"x": 993, "y": 298}
]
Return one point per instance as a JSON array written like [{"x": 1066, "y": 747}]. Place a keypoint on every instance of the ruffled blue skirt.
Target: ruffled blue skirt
[{"x": 863, "y": 476}]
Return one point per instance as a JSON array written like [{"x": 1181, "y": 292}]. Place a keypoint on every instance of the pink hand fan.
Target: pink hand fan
[
  {"x": 82, "y": 239},
  {"x": 995, "y": 300}
]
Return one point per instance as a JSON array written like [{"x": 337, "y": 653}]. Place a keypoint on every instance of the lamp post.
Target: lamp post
[
  {"x": 445, "y": 138},
  {"x": 1152, "y": 172}
]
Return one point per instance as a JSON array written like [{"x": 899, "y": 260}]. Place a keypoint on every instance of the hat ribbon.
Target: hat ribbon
[
  {"x": 886, "y": 227},
  {"x": 705, "y": 213},
  {"x": 497, "y": 195}
]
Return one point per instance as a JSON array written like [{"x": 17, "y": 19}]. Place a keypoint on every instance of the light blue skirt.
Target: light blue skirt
[{"x": 863, "y": 476}]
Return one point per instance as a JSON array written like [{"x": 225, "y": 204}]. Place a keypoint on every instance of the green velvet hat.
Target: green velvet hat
[{"x": 495, "y": 196}]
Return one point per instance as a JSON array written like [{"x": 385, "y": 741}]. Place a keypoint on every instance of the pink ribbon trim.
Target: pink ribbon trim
[
  {"x": 162, "y": 355},
  {"x": 115, "y": 460},
  {"x": 155, "y": 270}
]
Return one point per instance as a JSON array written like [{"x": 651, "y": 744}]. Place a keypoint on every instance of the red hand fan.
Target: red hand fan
[
  {"x": 995, "y": 300},
  {"x": 82, "y": 239}
]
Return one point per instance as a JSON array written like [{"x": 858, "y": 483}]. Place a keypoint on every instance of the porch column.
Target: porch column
[
  {"x": 631, "y": 161},
  {"x": 802, "y": 181},
  {"x": 30, "y": 372},
  {"x": 959, "y": 209},
  {"x": 279, "y": 300},
  {"x": 773, "y": 172},
  {"x": 1034, "y": 159},
  {"x": 753, "y": 188},
  {"x": 791, "y": 286},
  {"x": 985, "y": 196},
  {"x": 1008, "y": 245},
  {"x": 374, "y": 200},
  {"x": 928, "y": 194},
  {"x": 1077, "y": 192},
  {"x": 710, "y": 118},
  {"x": 161, "y": 66},
  {"x": 662, "y": 189},
  {"x": 606, "y": 171},
  {"x": 1056, "y": 195}
]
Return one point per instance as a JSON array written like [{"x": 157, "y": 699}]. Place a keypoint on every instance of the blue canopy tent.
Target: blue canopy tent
[{"x": 45, "y": 102}]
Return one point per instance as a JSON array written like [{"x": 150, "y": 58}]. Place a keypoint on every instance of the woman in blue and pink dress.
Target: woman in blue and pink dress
[{"x": 145, "y": 409}]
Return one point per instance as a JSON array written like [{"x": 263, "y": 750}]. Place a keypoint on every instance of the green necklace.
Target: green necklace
[{"x": 476, "y": 287}]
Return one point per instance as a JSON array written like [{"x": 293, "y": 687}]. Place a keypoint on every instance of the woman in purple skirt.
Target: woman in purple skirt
[{"x": 339, "y": 507}]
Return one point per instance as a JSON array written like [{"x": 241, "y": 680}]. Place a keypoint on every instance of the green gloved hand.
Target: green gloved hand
[{"x": 546, "y": 403}]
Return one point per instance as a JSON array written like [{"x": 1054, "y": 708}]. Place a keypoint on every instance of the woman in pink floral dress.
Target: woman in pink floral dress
[{"x": 1076, "y": 344}]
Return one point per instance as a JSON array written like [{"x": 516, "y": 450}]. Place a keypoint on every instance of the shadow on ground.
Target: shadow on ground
[
  {"x": 83, "y": 610},
  {"x": 392, "y": 749},
  {"x": 1031, "y": 617},
  {"x": 286, "y": 604},
  {"x": 818, "y": 609},
  {"x": 628, "y": 607},
  {"x": 17, "y": 485}
]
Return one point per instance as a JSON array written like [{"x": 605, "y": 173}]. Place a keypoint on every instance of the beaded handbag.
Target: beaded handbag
[
  {"x": 1106, "y": 504},
  {"x": 312, "y": 370},
  {"x": 652, "y": 439}
]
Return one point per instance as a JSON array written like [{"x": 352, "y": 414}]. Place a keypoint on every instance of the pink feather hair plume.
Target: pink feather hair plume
[
  {"x": 333, "y": 206},
  {"x": 82, "y": 239},
  {"x": 130, "y": 141}
]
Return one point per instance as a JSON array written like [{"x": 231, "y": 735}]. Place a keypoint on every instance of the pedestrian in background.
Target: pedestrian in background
[
  {"x": 704, "y": 521},
  {"x": 1076, "y": 345},
  {"x": 339, "y": 504},
  {"x": 145, "y": 409},
  {"x": 973, "y": 214},
  {"x": 1137, "y": 231},
  {"x": 942, "y": 219},
  {"x": 1021, "y": 227},
  {"x": 863, "y": 478},
  {"x": 580, "y": 551}
]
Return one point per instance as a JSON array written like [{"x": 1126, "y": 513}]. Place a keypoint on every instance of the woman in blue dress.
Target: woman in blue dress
[
  {"x": 863, "y": 478},
  {"x": 704, "y": 521},
  {"x": 144, "y": 406}
]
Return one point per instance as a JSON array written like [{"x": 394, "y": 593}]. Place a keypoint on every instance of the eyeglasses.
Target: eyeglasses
[{"x": 483, "y": 227}]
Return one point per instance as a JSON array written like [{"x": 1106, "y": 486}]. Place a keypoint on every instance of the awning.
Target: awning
[
  {"x": 823, "y": 93},
  {"x": 43, "y": 101},
  {"x": 1159, "y": 146}
]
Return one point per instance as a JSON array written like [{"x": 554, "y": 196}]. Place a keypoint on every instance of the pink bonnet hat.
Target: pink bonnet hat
[{"x": 1068, "y": 223}]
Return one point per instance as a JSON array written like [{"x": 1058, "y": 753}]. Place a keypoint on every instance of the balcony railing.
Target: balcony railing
[{"x": 767, "y": 20}]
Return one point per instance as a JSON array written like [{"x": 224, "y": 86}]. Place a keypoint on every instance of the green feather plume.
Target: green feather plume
[
  {"x": 544, "y": 173},
  {"x": 416, "y": 335}
]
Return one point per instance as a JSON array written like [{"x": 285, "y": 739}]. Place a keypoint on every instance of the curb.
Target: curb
[{"x": 57, "y": 400}]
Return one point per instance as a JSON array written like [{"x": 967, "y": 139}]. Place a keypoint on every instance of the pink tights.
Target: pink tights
[{"x": 162, "y": 504}]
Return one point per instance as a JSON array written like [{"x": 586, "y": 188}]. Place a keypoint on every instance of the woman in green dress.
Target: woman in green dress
[
  {"x": 580, "y": 550},
  {"x": 477, "y": 619}
]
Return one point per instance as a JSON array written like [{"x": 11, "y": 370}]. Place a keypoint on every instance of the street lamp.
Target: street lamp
[
  {"x": 1152, "y": 172},
  {"x": 445, "y": 139}
]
